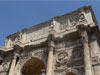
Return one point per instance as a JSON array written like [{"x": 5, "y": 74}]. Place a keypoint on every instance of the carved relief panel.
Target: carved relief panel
[
  {"x": 76, "y": 58},
  {"x": 69, "y": 59},
  {"x": 62, "y": 58},
  {"x": 4, "y": 67},
  {"x": 72, "y": 21}
]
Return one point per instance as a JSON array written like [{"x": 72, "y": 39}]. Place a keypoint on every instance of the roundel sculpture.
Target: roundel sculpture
[{"x": 62, "y": 58}]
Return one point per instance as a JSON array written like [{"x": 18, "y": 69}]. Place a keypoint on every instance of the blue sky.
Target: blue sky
[{"x": 16, "y": 15}]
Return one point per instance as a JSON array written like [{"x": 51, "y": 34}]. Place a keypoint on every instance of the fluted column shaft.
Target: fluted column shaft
[
  {"x": 11, "y": 72},
  {"x": 50, "y": 58},
  {"x": 87, "y": 60}
]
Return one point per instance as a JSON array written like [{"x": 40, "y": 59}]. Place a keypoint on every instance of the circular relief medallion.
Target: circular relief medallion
[{"x": 62, "y": 58}]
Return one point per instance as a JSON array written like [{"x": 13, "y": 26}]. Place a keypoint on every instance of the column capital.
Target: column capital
[
  {"x": 51, "y": 46},
  {"x": 51, "y": 43}
]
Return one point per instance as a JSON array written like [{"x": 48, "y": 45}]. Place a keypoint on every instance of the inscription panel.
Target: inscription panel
[{"x": 37, "y": 34}]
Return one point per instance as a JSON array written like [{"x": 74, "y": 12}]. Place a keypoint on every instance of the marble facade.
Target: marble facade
[{"x": 65, "y": 45}]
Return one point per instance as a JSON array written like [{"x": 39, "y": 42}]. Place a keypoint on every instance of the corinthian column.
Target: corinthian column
[
  {"x": 11, "y": 72},
  {"x": 50, "y": 58},
  {"x": 87, "y": 61},
  {"x": 17, "y": 51}
]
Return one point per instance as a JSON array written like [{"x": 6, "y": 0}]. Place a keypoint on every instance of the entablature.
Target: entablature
[{"x": 63, "y": 25}]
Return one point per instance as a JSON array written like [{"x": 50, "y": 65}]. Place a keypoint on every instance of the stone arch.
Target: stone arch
[
  {"x": 71, "y": 73},
  {"x": 33, "y": 66},
  {"x": 26, "y": 57}
]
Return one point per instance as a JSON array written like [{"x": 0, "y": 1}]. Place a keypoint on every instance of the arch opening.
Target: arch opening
[
  {"x": 70, "y": 73},
  {"x": 34, "y": 66}
]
